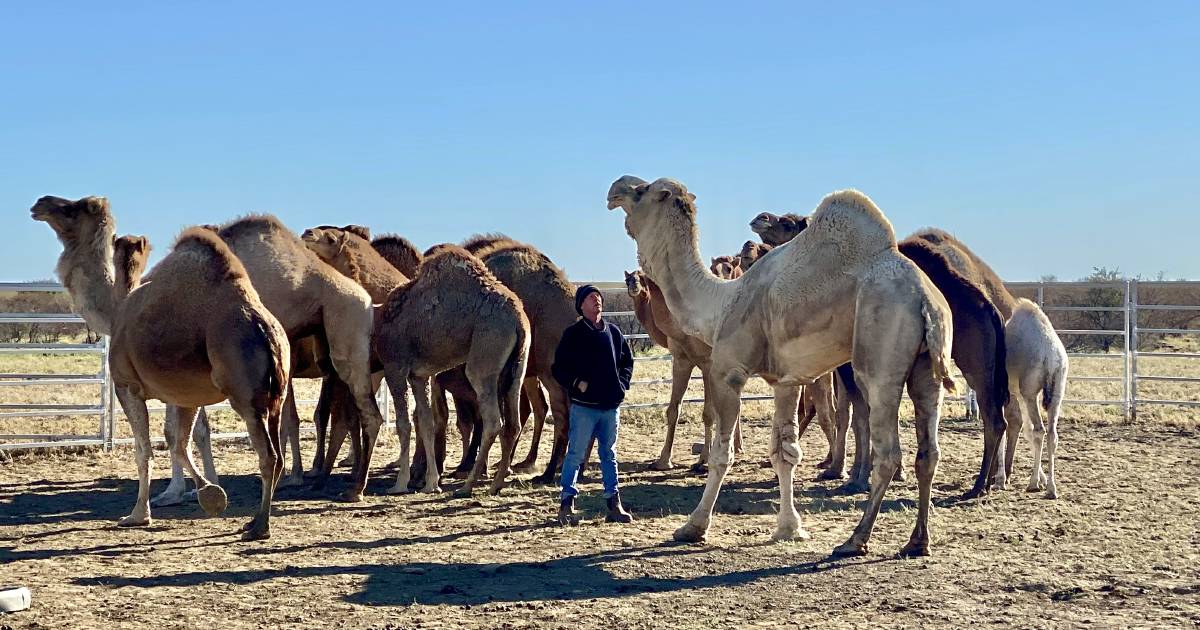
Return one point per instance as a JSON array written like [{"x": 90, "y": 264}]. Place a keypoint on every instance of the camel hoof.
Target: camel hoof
[
  {"x": 974, "y": 493},
  {"x": 290, "y": 481},
  {"x": 915, "y": 549},
  {"x": 790, "y": 533},
  {"x": 699, "y": 468},
  {"x": 462, "y": 493},
  {"x": 831, "y": 474},
  {"x": 167, "y": 500},
  {"x": 689, "y": 533},
  {"x": 1052, "y": 493},
  {"x": 314, "y": 473},
  {"x": 346, "y": 463},
  {"x": 212, "y": 499},
  {"x": 543, "y": 480},
  {"x": 662, "y": 465},
  {"x": 134, "y": 521},
  {"x": 350, "y": 496},
  {"x": 434, "y": 489},
  {"x": 825, "y": 463},
  {"x": 461, "y": 474},
  {"x": 523, "y": 468},
  {"x": 254, "y": 531},
  {"x": 495, "y": 490},
  {"x": 854, "y": 487},
  {"x": 399, "y": 489},
  {"x": 849, "y": 549}
]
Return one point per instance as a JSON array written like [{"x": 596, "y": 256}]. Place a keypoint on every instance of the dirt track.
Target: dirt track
[{"x": 1120, "y": 548}]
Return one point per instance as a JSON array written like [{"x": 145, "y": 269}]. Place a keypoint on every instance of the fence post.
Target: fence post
[
  {"x": 106, "y": 396},
  {"x": 1133, "y": 349},
  {"x": 1041, "y": 294},
  {"x": 1128, "y": 385}
]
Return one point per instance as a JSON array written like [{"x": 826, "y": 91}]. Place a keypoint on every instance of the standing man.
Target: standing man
[{"x": 594, "y": 362}]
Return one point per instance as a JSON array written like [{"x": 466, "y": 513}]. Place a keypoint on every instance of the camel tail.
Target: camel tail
[
  {"x": 513, "y": 374},
  {"x": 937, "y": 333},
  {"x": 1053, "y": 390},
  {"x": 277, "y": 376}
]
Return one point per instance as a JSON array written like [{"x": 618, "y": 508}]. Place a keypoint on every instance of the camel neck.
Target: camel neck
[
  {"x": 86, "y": 270},
  {"x": 693, "y": 295}
]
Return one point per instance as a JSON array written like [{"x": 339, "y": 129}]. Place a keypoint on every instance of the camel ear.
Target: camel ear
[
  {"x": 691, "y": 197},
  {"x": 143, "y": 244},
  {"x": 95, "y": 205},
  {"x": 640, "y": 190}
]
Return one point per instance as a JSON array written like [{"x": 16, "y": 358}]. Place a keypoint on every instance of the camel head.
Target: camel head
[
  {"x": 778, "y": 229},
  {"x": 654, "y": 207},
  {"x": 726, "y": 266},
  {"x": 135, "y": 249},
  {"x": 620, "y": 194},
  {"x": 75, "y": 221},
  {"x": 763, "y": 222},
  {"x": 326, "y": 243},
  {"x": 751, "y": 252},
  {"x": 634, "y": 283}
]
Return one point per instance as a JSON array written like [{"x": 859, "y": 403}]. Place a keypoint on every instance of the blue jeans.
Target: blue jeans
[{"x": 585, "y": 423}]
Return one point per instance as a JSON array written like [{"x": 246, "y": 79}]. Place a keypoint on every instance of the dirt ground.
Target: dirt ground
[{"x": 1121, "y": 547}]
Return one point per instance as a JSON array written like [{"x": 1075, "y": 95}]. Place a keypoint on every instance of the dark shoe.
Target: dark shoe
[
  {"x": 616, "y": 511},
  {"x": 566, "y": 511}
]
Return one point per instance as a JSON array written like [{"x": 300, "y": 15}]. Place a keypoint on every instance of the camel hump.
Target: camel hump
[
  {"x": 219, "y": 260},
  {"x": 251, "y": 223},
  {"x": 477, "y": 243},
  {"x": 850, "y": 219},
  {"x": 398, "y": 251}
]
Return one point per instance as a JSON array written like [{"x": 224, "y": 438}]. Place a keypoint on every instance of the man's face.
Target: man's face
[{"x": 592, "y": 305}]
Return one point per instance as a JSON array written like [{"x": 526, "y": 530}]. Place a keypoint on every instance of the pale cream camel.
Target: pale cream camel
[
  {"x": 455, "y": 312},
  {"x": 193, "y": 334},
  {"x": 1037, "y": 364},
  {"x": 838, "y": 291}
]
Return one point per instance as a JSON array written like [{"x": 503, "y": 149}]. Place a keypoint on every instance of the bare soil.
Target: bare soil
[{"x": 1121, "y": 547}]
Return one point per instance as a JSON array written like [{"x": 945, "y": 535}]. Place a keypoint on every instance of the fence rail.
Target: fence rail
[{"x": 107, "y": 410}]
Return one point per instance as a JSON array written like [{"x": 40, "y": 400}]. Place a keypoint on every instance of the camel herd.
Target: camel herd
[{"x": 834, "y": 313}]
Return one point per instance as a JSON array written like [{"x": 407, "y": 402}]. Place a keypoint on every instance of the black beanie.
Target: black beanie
[{"x": 581, "y": 294}]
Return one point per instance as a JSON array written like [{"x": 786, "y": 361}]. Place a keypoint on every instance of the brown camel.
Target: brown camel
[
  {"x": 728, "y": 267},
  {"x": 400, "y": 252},
  {"x": 750, "y": 254},
  {"x": 195, "y": 333},
  {"x": 454, "y": 298},
  {"x": 839, "y": 290},
  {"x": 310, "y": 297},
  {"x": 687, "y": 353},
  {"x": 775, "y": 230}
]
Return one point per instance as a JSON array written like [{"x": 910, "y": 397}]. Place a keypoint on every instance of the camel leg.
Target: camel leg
[
  {"x": 727, "y": 405},
  {"x": 860, "y": 471},
  {"x": 489, "y": 411},
  {"x": 1035, "y": 433},
  {"x": 837, "y": 462},
  {"x": 210, "y": 496},
  {"x": 202, "y": 436},
  {"x": 822, "y": 393},
  {"x": 539, "y": 406},
  {"x": 562, "y": 425},
  {"x": 681, "y": 372},
  {"x": 339, "y": 421},
  {"x": 263, "y": 428},
  {"x": 427, "y": 426},
  {"x": 926, "y": 394},
  {"x": 1052, "y": 413},
  {"x": 510, "y": 430},
  {"x": 176, "y": 491},
  {"x": 397, "y": 380},
  {"x": 371, "y": 422},
  {"x": 290, "y": 432},
  {"x": 708, "y": 415},
  {"x": 1015, "y": 413},
  {"x": 139, "y": 424},
  {"x": 979, "y": 376},
  {"x": 884, "y": 401},
  {"x": 785, "y": 456},
  {"x": 321, "y": 421}
]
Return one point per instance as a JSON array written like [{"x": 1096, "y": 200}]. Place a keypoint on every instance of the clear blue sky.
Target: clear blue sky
[{"x": 1050, "y": 136}]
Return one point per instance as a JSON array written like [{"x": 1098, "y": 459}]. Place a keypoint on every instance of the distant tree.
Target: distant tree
[{"x": 1109, "y": 296}]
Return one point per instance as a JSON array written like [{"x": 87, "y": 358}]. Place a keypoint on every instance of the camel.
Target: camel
[
  {"x": 839, "y": 290},
  {"x": 775, "y": 230},
  {"x": 750, "y": 254},
  {"x": 687, "y": 353},
  {"x": 355, "y": 257},
  {"x": 193, "y": 334},
  {"x": 311, "y": 298},
  {"x": 1037, "y": 364},
  {"x": 727, "y": 267},
  {"x": 978, "y": 350},
  {"x": 399, "y": 251},
  {"x": 420, "y": 331}
]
